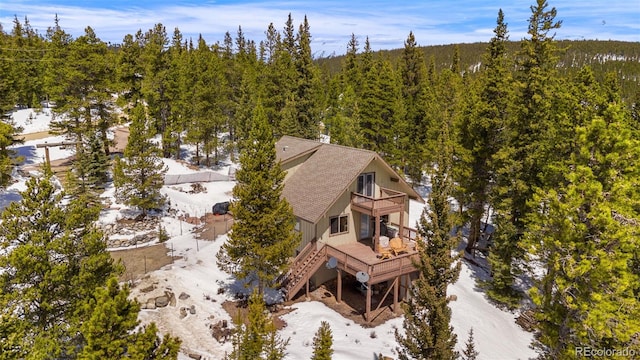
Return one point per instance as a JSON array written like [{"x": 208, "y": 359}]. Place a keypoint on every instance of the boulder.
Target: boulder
[
  {"x": 151, "y": 304},
  {"x": 162, "y": 301}
]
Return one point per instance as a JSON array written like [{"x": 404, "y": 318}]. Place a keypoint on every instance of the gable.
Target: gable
[
  {"x": 322, "y": 178},
  {"x": 318, "y": 174}
]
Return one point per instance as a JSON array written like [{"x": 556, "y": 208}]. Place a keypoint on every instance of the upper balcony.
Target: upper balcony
[{"x": 389, "y": 202}]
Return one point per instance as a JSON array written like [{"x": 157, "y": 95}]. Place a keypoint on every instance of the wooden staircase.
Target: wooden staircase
[{"x": 303, "y": 267}]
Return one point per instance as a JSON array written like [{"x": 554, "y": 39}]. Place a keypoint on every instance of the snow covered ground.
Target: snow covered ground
[{"x": 196, "y": 274}]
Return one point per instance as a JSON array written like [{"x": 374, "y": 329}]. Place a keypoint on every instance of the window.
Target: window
[
  {"x": 366, "y": 184},
  {"x": 296, "y": 227},
  {"x": 339, "y": 224}
]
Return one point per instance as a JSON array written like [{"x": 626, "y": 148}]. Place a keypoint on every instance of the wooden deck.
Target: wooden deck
[
  {"x": 356, "y": 257},
  {"x": 351, "y": 259}
]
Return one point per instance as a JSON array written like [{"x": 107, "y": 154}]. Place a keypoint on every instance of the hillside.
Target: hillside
[{"x": 620, "y": 57}]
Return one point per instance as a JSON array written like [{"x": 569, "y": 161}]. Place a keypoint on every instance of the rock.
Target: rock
[
  {"x": 162, "y": 301},
  {"x": 149, "y": 288},
  {"x": 151, "y": 304},
  {"x": 195, "y": 356},
  {"x": 183, "y": 313},
  {"x": 172, "y": 297},
  {"x": 220, "y": 334},
  {"x": 184, "y": 296},
  {"x": 192, "y": 309}
]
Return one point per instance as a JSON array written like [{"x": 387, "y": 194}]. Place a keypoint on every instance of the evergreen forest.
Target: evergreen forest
[{"x": 536, "y": 136}]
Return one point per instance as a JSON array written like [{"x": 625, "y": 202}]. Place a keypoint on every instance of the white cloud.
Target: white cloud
[{"x": 386, "y": 23}]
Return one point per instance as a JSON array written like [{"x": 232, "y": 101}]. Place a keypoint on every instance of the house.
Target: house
[{"x": 349, "y": 206}]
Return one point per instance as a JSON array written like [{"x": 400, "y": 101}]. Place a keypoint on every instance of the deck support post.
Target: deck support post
[
  {"x": 401, "y": 225},
  {"x": 396, "y": 285},
  {"x": 376, "y": 240},
  {"x": 307, "y": 290},
  {"x": 367, "y": 316},
  {"x": 339, "y": 287}
]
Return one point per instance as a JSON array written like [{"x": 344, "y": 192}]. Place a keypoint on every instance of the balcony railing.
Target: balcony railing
[{"x": 388, "y": 202}]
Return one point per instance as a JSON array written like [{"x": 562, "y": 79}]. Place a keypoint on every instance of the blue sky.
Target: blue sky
[{"x": 386, "y": 23}]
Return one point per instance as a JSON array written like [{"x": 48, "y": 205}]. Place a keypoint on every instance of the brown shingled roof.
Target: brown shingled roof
[
  {"x": 323, "y": 177},
  {"x": 289, "y": 148}
]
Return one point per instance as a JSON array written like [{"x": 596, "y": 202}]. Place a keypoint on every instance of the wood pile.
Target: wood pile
[{"x": 527, "y": 321}]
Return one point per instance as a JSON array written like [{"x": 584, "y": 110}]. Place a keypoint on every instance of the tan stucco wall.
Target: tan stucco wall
[
  {"x": 343, "y": 206},
  {"x": 308, "y": 233}
]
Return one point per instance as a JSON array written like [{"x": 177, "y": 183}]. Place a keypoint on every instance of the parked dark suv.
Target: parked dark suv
[{"x": 221, "y": 208}]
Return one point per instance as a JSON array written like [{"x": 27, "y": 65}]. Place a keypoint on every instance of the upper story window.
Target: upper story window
[
  {"x": 366, "y": 184},
  {"x": 339, "y": 224}
]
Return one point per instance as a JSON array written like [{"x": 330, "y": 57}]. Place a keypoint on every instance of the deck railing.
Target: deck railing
[
  {"x": 393, "y": 267},
  {"x": 380, "y": 271},
  {"x": 388, "y": 199},
  {"x": 408, "y": 234}
]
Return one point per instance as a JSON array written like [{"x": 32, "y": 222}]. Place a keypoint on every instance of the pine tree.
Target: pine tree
[
  {"x": 262, "y": 238},
  {"x": 7, "y": 156},
  {"x": 109, "y": 329},
  {"x": 90, "y": 170},
  {"x": 256, "y": 338},
  {"x": 480, "y": 134},
  {"x": 344, "y": 120},
  {"x": 413, "y": 72},
  {"x": 26, "y": 52},
  {"x": 110, "y": 317},
  {"x": 80, "y": 87},
  {"x": 470, "y": 352},
  {"x": 306, "y": 90},
  {"x": 279, "y": 78},
  {"x": 207, "y": 117},
  {"x": 585, "y": 236},
  {"x": 155, "y": 61},
  {"x": 52, "y": 258},
  {"x": 148, "y": 345},
  {"x": 427, "y": 332},
  {"x": 522, "y": 163},
  {"x": 139, "y": 176},
  {"x": 322, "y": 342},
  {"x": 382, "y": 111}
]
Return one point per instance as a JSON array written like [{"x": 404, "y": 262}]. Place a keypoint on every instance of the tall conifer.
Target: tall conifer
[
  {"x": 585, "y": 235},
  {"x": 262, "y": 238},
  {"x": 53, "y": 258},
  {"x": 481, "y": 134},
  {"x": 427, "y": 330},
  {"x": 522, "y": 164},
  {"x": 413, "y": 71},
  {"x": 140, "y": 174}
]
